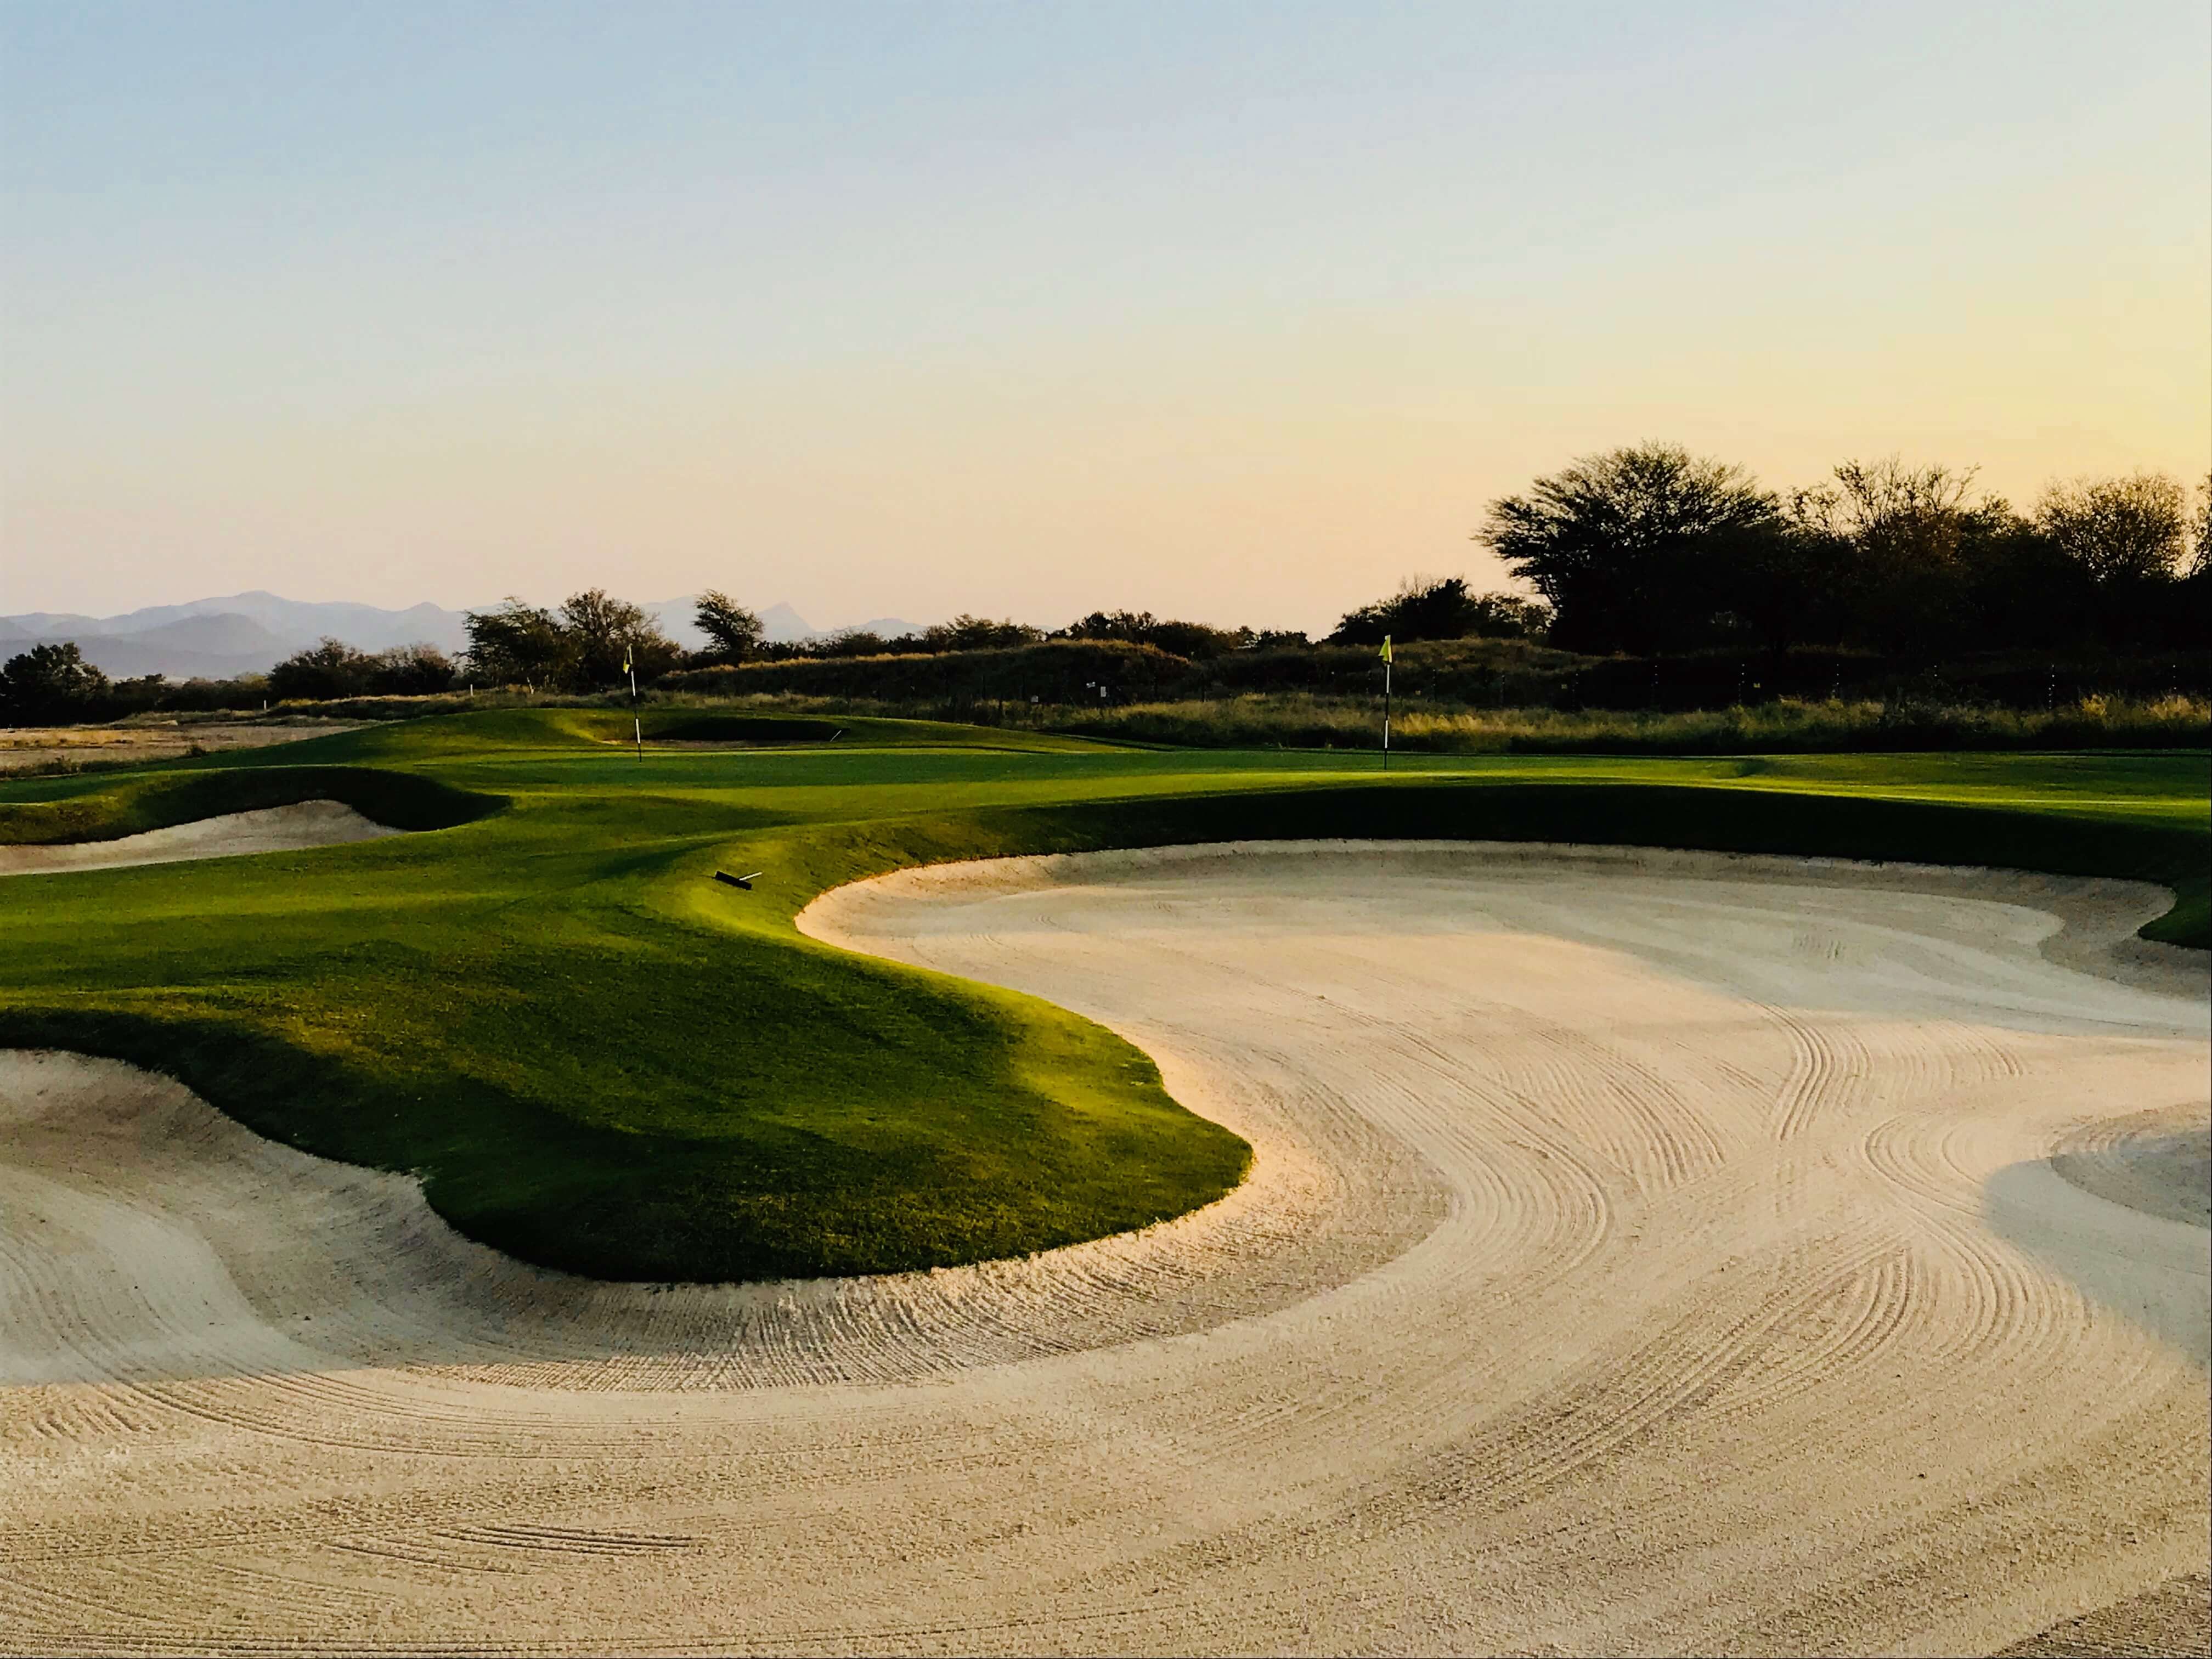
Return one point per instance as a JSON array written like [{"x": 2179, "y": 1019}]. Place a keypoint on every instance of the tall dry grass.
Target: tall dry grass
[
  {"x": 1302, "y": 719},
  {"x": 1305, "y": 721}
]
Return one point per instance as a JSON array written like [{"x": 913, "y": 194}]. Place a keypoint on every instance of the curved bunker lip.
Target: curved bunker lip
[{"x": 297, "y": 828}]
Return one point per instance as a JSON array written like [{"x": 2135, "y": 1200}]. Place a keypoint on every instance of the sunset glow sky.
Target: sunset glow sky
[{"x": 1232, "y": 311}]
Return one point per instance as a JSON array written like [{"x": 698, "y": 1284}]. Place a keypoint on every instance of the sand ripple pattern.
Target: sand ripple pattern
[{"x": 1643, "y": 1252}]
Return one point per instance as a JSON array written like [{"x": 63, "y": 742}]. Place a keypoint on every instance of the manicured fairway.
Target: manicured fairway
[{"x": 601, "y": 1060}]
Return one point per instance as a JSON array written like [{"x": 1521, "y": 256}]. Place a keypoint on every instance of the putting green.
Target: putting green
[{"x": 601, "y": 1060}]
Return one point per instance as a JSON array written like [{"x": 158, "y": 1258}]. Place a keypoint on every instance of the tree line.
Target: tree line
[
  {"x": 1649, "y": 549},
  {"x": 1646, "y": 550}
]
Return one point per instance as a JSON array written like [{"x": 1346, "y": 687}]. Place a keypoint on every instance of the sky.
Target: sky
[{"x": 1236, "y": 313}]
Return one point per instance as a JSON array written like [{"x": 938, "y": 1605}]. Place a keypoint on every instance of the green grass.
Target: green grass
[{"x": 601, "y": 1060}]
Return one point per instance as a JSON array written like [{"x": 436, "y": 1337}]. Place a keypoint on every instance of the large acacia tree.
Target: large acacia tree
[
  {"x": 734, "y": 631},
  {"x": 604, "y": 632},
  {"x": 1635, "y": 549}
]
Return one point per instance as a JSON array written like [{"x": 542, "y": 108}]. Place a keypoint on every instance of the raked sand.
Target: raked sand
[
  {"x": 1643, "y": 1252},
  {"x": 269, "y": 829}
]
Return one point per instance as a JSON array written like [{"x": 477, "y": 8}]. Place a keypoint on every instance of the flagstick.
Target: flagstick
[
  {"x": 1386, "y": 702},
  {"x": 636, "y": 721}
]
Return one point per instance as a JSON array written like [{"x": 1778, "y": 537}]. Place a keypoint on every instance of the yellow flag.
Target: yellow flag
[
  {"x": 626, "y": 659},
  {"x": 1386, "y": 647}
]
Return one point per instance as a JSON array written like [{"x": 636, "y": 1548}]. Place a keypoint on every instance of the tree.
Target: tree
[
  {"x": 856, "y": 642},
  {"x": 1892, "y": 540},
  {"x": 1196, "y": 640},
  {"x": 2021, "y": 590},
  {"x": 410, "y": 671},
  {"x": 967, "y": 632},
  {"x": 330, "y": 669},
  {"x": 517, "y": 644},
  {"x": 734, "y": 633},
  {"x": 49, "y": 683},
  {"x": 1440, "y": 608},
  {"x": 602, "y": 632},
  {"x": 2119, "y": 530},
  {"x": 1631, "y": 548}
]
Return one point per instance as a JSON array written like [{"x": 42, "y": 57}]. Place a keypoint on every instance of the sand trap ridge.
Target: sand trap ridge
[
  {"x": 1643, "y": 1252},
  {"x": 269, "y": 829}
]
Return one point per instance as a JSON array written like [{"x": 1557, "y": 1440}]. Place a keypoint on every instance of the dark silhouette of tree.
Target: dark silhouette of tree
[
  {"x": 49, "y": 683},
  {"x": 335, "y": 669},
  {"x": 2020, "y": 589},
  {"x": 517, "y": 644},
  {"x": 330, "y": 669},
  {"x": 1440, "y": 608},
  {"x": 604, "y": 632},
  {"x": 410, "y": 671},
  {"x": 1195, "y": 641},
  {"x": 1631, "y": 548},
  {"x": 2119, "y": 530},
  {"x": 858, "y": 642},
  {"x": 1891, "y": 541},
  {"x": 734, "y": 631},
  {"x": 967, "y": 632}
]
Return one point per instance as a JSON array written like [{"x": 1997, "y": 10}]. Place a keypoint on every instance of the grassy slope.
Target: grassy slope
[
  {"x": 605, "y": 1061},
  {"x": 130, "y": 801}
]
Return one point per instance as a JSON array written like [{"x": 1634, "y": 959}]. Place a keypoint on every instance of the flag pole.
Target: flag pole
[
  {"x": 637, "y": 719},
  {"x": 1386, "y": 702}
]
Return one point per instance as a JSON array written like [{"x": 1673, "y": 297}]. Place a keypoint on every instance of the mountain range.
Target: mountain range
[{"x": 249, "y": 633}]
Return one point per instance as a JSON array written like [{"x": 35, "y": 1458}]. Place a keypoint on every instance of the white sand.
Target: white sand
[
  {"x": 1644, "y": 1252},
  {"x": 271, "y": 829}
]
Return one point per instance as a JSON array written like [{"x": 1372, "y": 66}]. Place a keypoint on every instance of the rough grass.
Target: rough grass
[
  {"x": 1304, "y": 721},
  {"x": 601, "y": 1060}
]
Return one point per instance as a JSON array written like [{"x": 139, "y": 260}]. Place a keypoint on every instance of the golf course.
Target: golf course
[
  {"x": 602, "y": 1061},
  {"x": 1089, "y": 1195}
]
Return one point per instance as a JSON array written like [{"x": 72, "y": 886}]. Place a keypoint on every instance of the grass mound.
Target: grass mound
[
  {"x": 601, "y": 1059},
  {"x": 130, "y": 804}
]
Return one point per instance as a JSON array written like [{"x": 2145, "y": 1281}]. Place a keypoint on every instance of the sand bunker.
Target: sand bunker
[
  {"x": 1643, "y": 1252},
  {"x": 271, "y": 829}
]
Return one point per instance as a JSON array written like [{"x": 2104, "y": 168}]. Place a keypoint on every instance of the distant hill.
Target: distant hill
[
  {"x": 213, "y": 645},
  {"x": 250, "y": 633},
  {"x": 780, "y": 623},
  {"x": 236, "y": 634}
]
